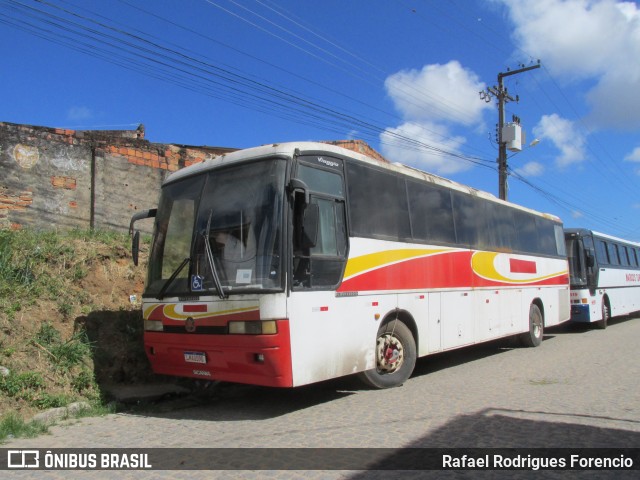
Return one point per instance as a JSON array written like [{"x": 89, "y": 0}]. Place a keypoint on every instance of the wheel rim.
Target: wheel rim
[
  {"x": 389, "y": 353},
  {"x": 537, "y": 326}
]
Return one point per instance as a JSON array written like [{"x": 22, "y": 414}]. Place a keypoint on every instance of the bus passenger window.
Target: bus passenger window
[
  {"x": 614, "y": 259},
  {"x": 624, "y": 256},
  {"x": 602, "y": 254}
]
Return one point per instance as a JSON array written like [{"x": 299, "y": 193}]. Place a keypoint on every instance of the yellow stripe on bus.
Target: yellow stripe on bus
[{"x": 363, "y": 263}]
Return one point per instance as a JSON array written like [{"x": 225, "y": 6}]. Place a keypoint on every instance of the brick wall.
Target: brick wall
[{"x": 359, "y": 146}]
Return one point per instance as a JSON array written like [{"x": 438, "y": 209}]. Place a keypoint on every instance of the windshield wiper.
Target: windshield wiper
[
  {"x": 214, "y": 272},
  {"x": 172, "y": 278}
]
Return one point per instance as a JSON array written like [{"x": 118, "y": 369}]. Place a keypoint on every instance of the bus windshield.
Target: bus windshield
[{"x": 238, "y": 211}]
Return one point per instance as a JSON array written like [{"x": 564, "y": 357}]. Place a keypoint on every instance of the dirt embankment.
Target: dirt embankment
[{"x": 70, "y": 319}]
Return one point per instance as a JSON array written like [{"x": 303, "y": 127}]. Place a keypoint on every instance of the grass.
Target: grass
[
  {"x": 34, "y": 264},
  {"x": 64, "y": 354},
  {"x": 24, "y": 386},
  {"x": 58, "y": 334},
  {"x": 13, "y": 425}
]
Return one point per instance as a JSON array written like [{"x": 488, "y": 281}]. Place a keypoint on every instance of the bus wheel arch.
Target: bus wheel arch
[
  {"x": 533, "y": 337},
  {"x": 406, "y": 318},
  {"x": 606, "y": 313},
  {"x": 395, "y": 352}
]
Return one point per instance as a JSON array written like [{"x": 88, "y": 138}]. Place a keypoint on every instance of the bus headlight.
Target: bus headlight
[{"x": 267, "y": 327}]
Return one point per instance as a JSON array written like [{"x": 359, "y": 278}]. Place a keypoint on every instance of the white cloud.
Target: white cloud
[
  {"x": 531, "y": 169},
  {"x": 397, "y": 146},
  {"x": 633, "y": 156},
  {"x": 577, "y": 214},
  {"x": 438, "y": 93},
  {"x": 615, "y": 102},
  {"x": 431, "y": 101},
  {"x": 79, "y": 113},
  {"x": 578, "y": 37},
  {"x": 566, "y": 138},
  {"x": 597, "y": 40}
]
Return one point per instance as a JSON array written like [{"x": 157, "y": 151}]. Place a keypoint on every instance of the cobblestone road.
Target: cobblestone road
[{"x": 579, "y": 389}]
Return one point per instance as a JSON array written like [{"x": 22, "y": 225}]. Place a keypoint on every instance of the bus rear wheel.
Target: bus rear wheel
[
  {"x": 395, "y": 356},
  {"x": 533, "y": 337}
]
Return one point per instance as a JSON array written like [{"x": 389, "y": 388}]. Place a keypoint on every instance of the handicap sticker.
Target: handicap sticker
[{"x": 197, "y": 282}]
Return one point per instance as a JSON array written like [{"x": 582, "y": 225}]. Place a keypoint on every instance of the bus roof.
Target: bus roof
[
  {"x": 583, "y": 231},
  {"x": 289, "y": 149}
]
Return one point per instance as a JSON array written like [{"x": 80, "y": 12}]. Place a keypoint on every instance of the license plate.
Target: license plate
[{"x": 195, "y": 357}]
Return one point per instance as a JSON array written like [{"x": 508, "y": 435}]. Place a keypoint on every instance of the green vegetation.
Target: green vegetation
[
  {"x": 13, "y": 425},
  {"x": 67, "y": 325},
  {"x": 36, "y": 264}
]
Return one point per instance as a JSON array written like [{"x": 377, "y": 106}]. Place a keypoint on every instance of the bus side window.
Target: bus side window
[
  {"x": 466, "y": 216},
  {"x": 321, "y": 265},
  {"x": 602, "y": 253},
  {"x": 378, "y": 203},
  {"x": 614, "y": 259},
  {"x": 431, "y": 213},
  {"x": 527, "y": 234},
  {"x": 624, "y": 256}
]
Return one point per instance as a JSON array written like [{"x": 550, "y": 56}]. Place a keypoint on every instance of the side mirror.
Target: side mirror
[
  {"x": 591, "y": 261},
  {"x": 296, "y": 185},
  {"x": 135, "y": 239},
  {"x": 310, "y": 222},
  {"x": 135, "y": 247}
]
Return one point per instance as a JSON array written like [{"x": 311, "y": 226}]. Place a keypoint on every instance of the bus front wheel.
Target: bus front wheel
[
  {"x": 606, "y": 315},
  {"x": 395, "y": 356},
  {"x": 533, "y": 337}
]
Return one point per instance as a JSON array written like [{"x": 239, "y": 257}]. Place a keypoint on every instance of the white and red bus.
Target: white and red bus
[
  {"x": 604, "y": 276},
  {"x": 293, "y": 263}
]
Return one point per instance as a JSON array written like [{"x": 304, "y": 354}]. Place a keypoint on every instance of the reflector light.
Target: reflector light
[{"x": 585, "y": 300}]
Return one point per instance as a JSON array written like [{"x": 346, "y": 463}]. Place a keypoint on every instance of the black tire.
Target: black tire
[
  {"x": 533, "y": 338},
  {"x": 606, "y": 315},
  {"x": 395, "y": 356}
]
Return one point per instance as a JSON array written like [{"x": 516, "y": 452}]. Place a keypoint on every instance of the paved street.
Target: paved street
[{"x": 579, "y": 389}]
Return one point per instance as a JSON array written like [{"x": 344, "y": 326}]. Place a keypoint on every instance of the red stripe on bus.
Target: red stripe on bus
[
  {"x": 522, "y": 266},
  {"x": 438, "y": 271}
]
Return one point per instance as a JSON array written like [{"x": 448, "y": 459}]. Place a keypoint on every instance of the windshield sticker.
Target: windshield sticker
[
  {"x": 197, "y": 282},
  {"x": 243, "y": 275}
]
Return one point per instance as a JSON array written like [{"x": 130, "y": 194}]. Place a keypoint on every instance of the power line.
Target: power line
[{"x": 125, "y": 49}]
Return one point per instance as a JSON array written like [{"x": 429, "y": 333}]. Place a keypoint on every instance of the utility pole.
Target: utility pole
[{"x": 501, "y": 93}]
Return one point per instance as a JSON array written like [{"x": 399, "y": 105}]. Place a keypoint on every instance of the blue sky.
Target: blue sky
[{"x": 403, "y": 75}]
